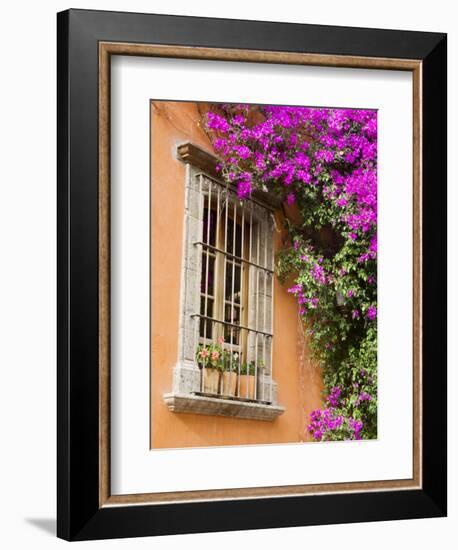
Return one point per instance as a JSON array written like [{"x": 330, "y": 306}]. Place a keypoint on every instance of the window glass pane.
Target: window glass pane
[
  {"x": 230, "y": 238},
  {"x": 236, "y": 270},
  {"x": 207, "y": 281},
  {"x": 206, "y": 326},
  {"x": 231, "y": 335},
  {"x": 209, "y": 233},
  {"x": 238, "y": 241},
  {"x": 231, "y": 315}
]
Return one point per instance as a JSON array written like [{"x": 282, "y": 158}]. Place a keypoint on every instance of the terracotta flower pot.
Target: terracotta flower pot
[
  {"x": 229, "y": 383},
  {"x": 210, "y": 380},
  {"x": 247, "y": 385}
]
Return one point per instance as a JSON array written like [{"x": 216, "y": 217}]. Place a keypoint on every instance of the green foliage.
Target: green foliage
[
  {"x": 358, "y": 383},
  {"x": 250, "y": 368},
  {"x": 230, "y": 361}
]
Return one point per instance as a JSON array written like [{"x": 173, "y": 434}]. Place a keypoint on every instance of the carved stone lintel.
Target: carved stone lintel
[{"x": 205, "y": 161}]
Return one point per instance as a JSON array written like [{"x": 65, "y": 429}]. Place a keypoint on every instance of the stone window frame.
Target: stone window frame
[{"x": 200, "y": 171}]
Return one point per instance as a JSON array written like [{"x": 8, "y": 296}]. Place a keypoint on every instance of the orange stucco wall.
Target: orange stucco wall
[{"x": 299, "y": 380}]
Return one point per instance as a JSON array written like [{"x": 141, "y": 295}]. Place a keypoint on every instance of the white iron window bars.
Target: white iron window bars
[{"x": 236, "y": 282}]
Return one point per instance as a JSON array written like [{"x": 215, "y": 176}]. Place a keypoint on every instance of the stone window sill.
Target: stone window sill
[{"x": 219, "y": 406}]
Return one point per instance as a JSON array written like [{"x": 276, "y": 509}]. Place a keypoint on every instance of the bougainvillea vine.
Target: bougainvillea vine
[{"x": 323, "y": 162}]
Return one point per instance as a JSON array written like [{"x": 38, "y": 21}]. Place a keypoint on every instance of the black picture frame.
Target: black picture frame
[{"x": 78, "y": 512}]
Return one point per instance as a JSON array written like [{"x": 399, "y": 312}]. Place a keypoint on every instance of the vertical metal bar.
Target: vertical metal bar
[
  {"x": 264, "y": 324},
  {"x": 216, "y": 281},
  {"x": 223, "y": 316},
  {"x": 196, "y": 333},
  {"x": 242, "y": 269},
  {"x": 238, "y": 372},
  {"x": 257, "y": 312},
  {"x": 271, "y": 318},
  {"x": 234, "y": 232},
  {"x": 207, "y": 257},
  {"x": 201, "y": 218},
  {"x": 250, "y": 257}
]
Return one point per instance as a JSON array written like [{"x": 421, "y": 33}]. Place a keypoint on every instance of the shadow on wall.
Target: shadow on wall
[
  {"x": 310, "y": 381},
  {"x": 48, "y": 525}
]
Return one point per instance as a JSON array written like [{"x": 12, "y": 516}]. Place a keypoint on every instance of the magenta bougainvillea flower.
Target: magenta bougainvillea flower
[
  {"x": 291, "y": 146},
  {"x": 371, "y": 313}
]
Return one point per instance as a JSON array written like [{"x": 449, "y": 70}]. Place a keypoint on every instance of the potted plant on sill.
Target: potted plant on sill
[
  {"x": 209, "y": 359},
  {"x": 229, "y": 374},
  {"x": 247, "y": 380}
]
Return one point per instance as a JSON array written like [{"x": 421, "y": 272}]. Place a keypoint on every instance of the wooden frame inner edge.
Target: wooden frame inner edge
[{"x": 106, "y": 49}]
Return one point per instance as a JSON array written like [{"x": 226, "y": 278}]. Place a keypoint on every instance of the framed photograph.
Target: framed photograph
[{"x": 251, "y": 275}]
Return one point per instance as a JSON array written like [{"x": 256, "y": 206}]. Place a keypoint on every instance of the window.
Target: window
[
  {"x": 236, "y": 279},
  {"x": 223, "y": 304},
  {"x": 226, "y": 296}
]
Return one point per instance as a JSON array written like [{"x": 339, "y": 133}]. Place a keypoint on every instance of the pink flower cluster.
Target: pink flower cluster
[
  {"x": 322, "y": 421},
  {"x": 293, "y": 146},
  {"x": 325, "y": 422},
  {"x": 303, "y": 301}
]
